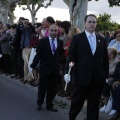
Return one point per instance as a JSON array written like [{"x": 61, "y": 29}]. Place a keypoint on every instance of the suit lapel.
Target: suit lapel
[
  {"x": 57, "y": 46},
  {"x": 48, "y": 44},
  {"x": 97, "y": 42},
  {"x": 85, "y": 39}
]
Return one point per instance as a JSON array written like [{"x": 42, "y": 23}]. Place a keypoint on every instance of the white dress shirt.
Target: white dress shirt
[{"x": 92, "y": 41}]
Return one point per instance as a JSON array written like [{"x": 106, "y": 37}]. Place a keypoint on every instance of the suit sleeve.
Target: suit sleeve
[
  {"x": 71, "y": 54},
  {"x": 37, "y": 56},
  {"x": 62, "y": 56},
  {"x": 71, "y": 51}
]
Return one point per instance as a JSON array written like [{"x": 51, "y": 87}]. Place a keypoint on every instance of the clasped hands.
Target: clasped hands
[{"x": 112, "y": 83}]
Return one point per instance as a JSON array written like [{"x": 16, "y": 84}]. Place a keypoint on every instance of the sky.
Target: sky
[{"x": 59, "y": 11}]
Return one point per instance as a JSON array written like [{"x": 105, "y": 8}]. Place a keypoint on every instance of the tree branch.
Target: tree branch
[
  {"x": 28, "y": 6},
  {"x": 67, "y": 2}
]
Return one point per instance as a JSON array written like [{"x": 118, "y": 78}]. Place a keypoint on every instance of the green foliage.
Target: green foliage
[
  {"x": 112, "y": 2},
  {"x": 24, "y": 2},
  {"x": 105, "y": 23}
]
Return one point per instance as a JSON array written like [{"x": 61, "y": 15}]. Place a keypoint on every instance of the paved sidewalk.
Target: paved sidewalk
[{"x": 58, "y": 99}]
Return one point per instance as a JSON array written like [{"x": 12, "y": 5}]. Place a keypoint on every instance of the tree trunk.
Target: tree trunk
[
  {"x": 4, "y": 8},
  {"x": 77, "y": 12},
  {"x": 33, "y": 18},
  {"x": 11, "y": 17},
  {"x": 33, "y": 13},
  {"x": 82, "y": 12}
]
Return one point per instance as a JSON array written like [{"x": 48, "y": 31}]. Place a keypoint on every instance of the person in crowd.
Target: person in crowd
[
  {"x": 19, "y": 49},
  {"x": 27, "y": 30},
  {"x": 107, "y": 37},
  {"x": 6, "y": 49},
  {"x": 34, "y": 43},
  {"x": 44, "y": 29},
  {"x": 89, "y": 54},
  {"x": 58, "y": 22},
  {"x": 1, "y": 58},
  {"x": 101, "y": 33},
  {"x": 114, "y": 83},
  {"x": 48, "y": 53},
  {"x": 64, "y": 28},
  {"x": 1, "y": 24},
  {"x": 111, "y": 36},
  {"x": 113, "y": 61},
  {"x": 115, "y": 42},
  {"x": 13, "y": 50},
  {"x": 116, "y": 99},
  {"x": 73, "y": 30}
]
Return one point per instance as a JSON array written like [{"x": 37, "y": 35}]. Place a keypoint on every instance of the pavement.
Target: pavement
[{"x": 58, "y": 100}]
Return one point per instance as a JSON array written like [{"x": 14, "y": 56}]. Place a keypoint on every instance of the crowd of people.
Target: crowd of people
[{"x": 26, "y": 54}]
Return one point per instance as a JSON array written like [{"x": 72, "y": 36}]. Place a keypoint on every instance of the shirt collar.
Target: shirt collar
[
  {"x": 52, "y": 38},
  {"x": 88, "y": 34}
]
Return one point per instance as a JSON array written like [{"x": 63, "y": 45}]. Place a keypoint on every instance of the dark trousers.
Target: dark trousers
[
  {"x": 106, "y": 90},
  {"x": 14, "y": 62},
  {"x": 20, "y": 64},
  {"x": 1, "y": 64},
  {"x": 48, "y": 86},
  {"x": 116, "y": 98},
  {"x": 7, "y": 63},
  {"x": 90, "y": 92}
]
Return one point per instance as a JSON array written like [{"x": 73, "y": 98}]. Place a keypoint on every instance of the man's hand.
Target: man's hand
[{"x": 67, "y": 78}]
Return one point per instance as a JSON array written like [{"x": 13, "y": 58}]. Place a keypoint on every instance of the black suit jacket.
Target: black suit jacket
[
  {"x": 88, "y": 67},
  {"x": 49, "y": 63}
]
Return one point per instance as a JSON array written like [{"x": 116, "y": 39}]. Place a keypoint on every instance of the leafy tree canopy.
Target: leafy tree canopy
[
  {"x": 112, "y": 2},
  {"x": 105, "y": 23}
]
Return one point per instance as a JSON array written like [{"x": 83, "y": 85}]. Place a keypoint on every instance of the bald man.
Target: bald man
[{"x": 49, "y": 52}]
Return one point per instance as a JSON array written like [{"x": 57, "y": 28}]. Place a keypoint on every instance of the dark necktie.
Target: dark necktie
[{"x": 53, "y": 46}]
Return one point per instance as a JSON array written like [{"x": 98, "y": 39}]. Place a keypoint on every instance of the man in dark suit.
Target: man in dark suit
[
  {"x": 49, "y": 52},
  {"x": 88, "y": 52}
]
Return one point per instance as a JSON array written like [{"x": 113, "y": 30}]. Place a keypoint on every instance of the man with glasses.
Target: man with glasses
[{"x": 88, "y": 52}]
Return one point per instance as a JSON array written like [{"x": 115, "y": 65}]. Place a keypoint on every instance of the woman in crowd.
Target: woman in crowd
[
  {"x": 115, "y": 42},
  {"x": 73, "y": 30},
  {"x": 64, "y": 28},
  {"x": 114, "y": 74},
  {"x": 33, "y": 43}
]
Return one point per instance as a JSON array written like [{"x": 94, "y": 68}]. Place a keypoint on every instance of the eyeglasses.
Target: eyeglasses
[{"x": 92, "y": 22}]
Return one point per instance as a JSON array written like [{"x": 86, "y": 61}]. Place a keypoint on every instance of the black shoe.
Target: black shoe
[
  {"x": 39, "y": 107},
  {"x": 25, "y": 81},
  {"x": 61, "y": 93},
  {"x": 36, "y": 84},
  {"x": 31, "y": 81},
  {"x": 8, "y": 74},
  {"x": 64, "y": 95},
  {"x": 17, "y": 77},
  {"x": 13, "y": 76},
  {"x": 52, "y": 109}
]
